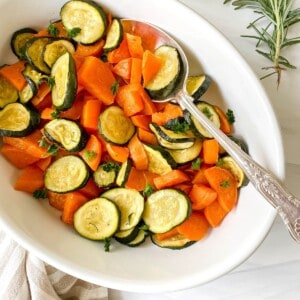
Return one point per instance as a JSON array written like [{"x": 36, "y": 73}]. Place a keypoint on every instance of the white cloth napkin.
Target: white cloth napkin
[{"x": 25, "y": 277}]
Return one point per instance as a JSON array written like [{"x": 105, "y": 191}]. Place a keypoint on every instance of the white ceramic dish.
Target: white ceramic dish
[{"x": 148, "y": 268}]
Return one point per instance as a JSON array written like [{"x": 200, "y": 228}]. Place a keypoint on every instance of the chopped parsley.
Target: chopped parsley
[
  {"x": 53, "y": 30},
  {"x": 207, "y": 112},
  {"x": 55, "y": 114},
  {"x": 89, "y": 154},
  {"x": 52, "y": 149},
  {"x": 230, "y": 116},
  {"x": 40, "y": 194},
  {"x": 196, "y": 164},
  {"x": 225, "y": 184},
  {"x": 73, "y": 32},
  {"x": 178, "y": 125},
  {"x": 114, "y": 88},
  {"x": 148, "y": 190},
  {"x": 111, "y": 166},
  {"x": 107, "y": 243}
]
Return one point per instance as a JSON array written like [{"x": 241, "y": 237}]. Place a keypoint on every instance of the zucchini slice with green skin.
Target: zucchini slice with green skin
[
  {"x": 66, "y": 174},
  {"x": 65, "y": 82},
  {"x": 123, "y": 173},
  {"x": 66, "y": 133},
  {"x": 139, "y": 239},
  {"x": 130, "y": 203},
  {"x": 103, "y": 177},
  {"x": 176, "y": 242},
  {"x": 56, "y": 48},
  {"x": 227, "y": 162},
  {"x": 19, "y": 39},
  {"x": 17, "y": 120},
  {"x": 187, "y": 155},
  {"x": 31, "y": 73},
  {"x": 84, "y": 20},
  {"x": 97, "y": 219},
  {"x": 209, "y": 111},
  {"x": 160, "y": 160},
  {"x": 170, "y": 139},
  {"x": 166, "y": 209},
  {"x": 114, "y": 126},
  {"x": 166, "y": 79},
  {"x": 127, "y": 236},
  {"x": 34, "y": 53},
  {"x": 114, "y": 36},
  {"x": 8, "y": 93},
  {"x": 197, "y": 85},
  {"x": 29, "y": 91}
]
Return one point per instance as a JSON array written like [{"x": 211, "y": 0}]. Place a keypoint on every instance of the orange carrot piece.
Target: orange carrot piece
[
  {"x": 166, "y": 235},
  {"x": 137, "y": 153},
  {"x": 47, "y": 113},
  {"x": 117, "y": 153},
  {"x": 210, "y": 150},
  {"x": 95, "y": 49},
  {"x": 90, "y": 114},
  {"x": 57, "y": 200},
  {"x": 30, "y": 180},
  {"x": 90, "y": 190},
  {"x": 135, "y": 47},
  {"x": 136, "y": 179},
  {"x": 149, "y": 105},
  {"x": 214, "y": 213},
  {"x": 225, "y": 125},
  {"x": 40, "y": 100},
  {"x": 92, "y": 152},
  {"x": 224, "y": 183},
  {"x": 13, "y": 74},
  {"x": 169, "y": 112},
  {"x": 199, "y": 177},
  {"x": 75, "y": 112},
  {"x": 136, "y": 71},
  {"x": 97, "y": 78},
  {"x": 17, "y": 157},
  {"x": 141, "y": 121},
  {"x": 119, "y": 53},
  {"x": 184, "y": 187},
  {"x": 170, "y": 179},
  {"x": 29, "y": 144},
  {"x": 146, "y": 136},
  {"x": 150, "y": 66},
  {"x": 195, "y": 227},
  {"x": 201, "y": 196},
  {"x": 133, "y": 102},
  {"x": 123, "y": 68},
  {"x": 73, "y": 201},
  {"x": 44, "y": 163}
]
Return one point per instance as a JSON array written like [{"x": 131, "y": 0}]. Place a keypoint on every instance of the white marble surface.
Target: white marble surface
[{"x": 273, "y": 271}]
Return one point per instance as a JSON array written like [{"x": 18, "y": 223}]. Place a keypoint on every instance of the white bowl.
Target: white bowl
[{"x": 36, "y": 226}]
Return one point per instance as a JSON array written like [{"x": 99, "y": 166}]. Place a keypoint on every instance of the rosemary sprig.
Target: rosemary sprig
[{"x": 275, "y": 17}]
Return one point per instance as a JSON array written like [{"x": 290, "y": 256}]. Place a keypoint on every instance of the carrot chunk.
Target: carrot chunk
[
  {"x": 170, "y": 179},
  {"x": 201, "y": 196}
]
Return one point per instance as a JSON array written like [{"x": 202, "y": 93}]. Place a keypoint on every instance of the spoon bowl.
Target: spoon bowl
[{"x": 287, "y": 205}]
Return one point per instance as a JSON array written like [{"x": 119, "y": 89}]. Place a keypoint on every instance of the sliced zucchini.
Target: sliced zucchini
[
  {"x": 19, "y": 40},
  {"x": 187, "y": 155},
  {"x": 104, "y": 177},
  {"x": 160, "y": 160},
  {"x": 130, "y": 203},
  {"x": 227, "y": 162},
  {"x": 34, "y": 53},
  {"x": 114, "y": 126},
  {"x": 84, "y": 20},
  {"x": 29, "y": 91},
  {"x": 166, "y": 79},
  {"x": 67, "y": 134},
  {"x": 170, "y": 139},
  {"x": 176, "y": 242},
  {"x": 240, "y": 142},
  {"x": 98, "y": 219},
  {"x": 56, "y": 48},
  {"x": 66, "y": 174},
  {"x": 31, "y": 73},
  {"x": 8, "y": 93},
  {"x": 127, "y": 236},
  {"x": 197, "y": 85},
  {"x": 123, "y": 173},
  {"x": 114, "y": 36},
  {"x": 209, "y": 111},
  {"x": 65, "y": 82},
  {"x": 166, "y": 209},
  {"x": 17, "y": 120},
  {"x": 140, "y": 238}
]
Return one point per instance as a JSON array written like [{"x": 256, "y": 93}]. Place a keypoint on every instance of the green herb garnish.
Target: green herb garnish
[
  {"x": 148, "y": 190},
  {"x": 196, "y": 164},
  {"x": 55, "y": 114},
  {"x": 107, "y": 243},
  {"x": 275, "y": 17},
  {"x": 53, "y": 30},
  {"x": 178, "y": 125},
  {"x": 111, "y": 166},
  {"x": 225, "y": 184},
  {"x": 207, "y": 112},
  {"x": 73, "y": 32},
  {"x": 40, "y": 194},
  {"x": 230, "y": 116},
  {"x": 114, "y": 88},
  {"x": 89, "y": 154}
]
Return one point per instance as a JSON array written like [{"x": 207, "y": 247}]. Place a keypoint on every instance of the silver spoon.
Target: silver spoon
[{"x": 286, "y": 204}]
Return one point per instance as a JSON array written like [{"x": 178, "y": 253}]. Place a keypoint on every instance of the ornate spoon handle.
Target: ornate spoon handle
[{"x": 287, "y": 205}]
